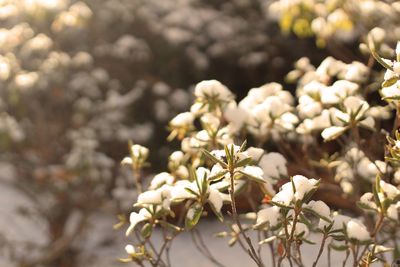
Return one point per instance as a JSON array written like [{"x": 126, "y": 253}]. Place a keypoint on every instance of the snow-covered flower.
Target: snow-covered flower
[
  {"x": 180, "y": 125},
  {"x": 210, "y": 95},
  {"x": 273, "y": 165},
  {"x": 302, "y": 186},
  {"x": 160, "y": 196},
  {"x": 161, "y": 179},
  {"x": 320, "y": 208},
  {"x": 130, "y": 250},
  {"x": 357, "y": 230},
  {"x": 137, "y": 217},
  {"x": 338, "y": 221},
  {"x": 269, "y": 216}
]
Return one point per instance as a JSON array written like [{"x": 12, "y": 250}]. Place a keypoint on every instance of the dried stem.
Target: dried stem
[
  {"x": 321, "y": 249},
  {"x": 251, "y": 250}
]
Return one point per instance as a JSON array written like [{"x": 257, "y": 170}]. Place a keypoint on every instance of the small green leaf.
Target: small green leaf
[
  {"x": 193, "y": 215},
  {"x": 243, "y": 162},
  {"x": 364, "y": 206},
  {"x": 280, "y": 205},
  {"x": 170, "y": 226},
  {"x": 146, "y": 231},
  {"x": 338, "y": 247},
  {"x": 218, "y": 175},
  {"x": 228, "y": 155},
  {"x": 218, "y": 214},
  {"x": 191, "y": 191},
  {"x": 317, "y": 215},
  {"x": 308, "y": 196},
  {"x": 253, "y": 178},
  {"x": 243, "y": 146},
  {"x": 375, "y": 190},
  {"x": 389, "y": 82}
]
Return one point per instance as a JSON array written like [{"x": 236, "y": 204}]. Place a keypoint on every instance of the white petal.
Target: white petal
[{"x": 333, "y": 132}]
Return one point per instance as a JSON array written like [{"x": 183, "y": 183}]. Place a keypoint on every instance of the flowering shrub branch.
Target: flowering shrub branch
[{"x": 211, "y": 171}]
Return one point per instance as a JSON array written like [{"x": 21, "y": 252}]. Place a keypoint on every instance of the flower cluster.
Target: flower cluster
[
  {"x": 211, "y": 172},
  {"x": 338, "y": 20}
]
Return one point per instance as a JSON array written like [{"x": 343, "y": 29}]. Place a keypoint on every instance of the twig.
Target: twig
[
  {"x": 251, "y": 250},
  {"x": 321, "y": 248}
]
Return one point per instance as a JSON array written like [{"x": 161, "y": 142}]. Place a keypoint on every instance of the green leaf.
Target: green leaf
[
  {"x": 243, "y": 146},
  {"x": 307, "y": 197},
  {"x": 170, "y": 226},
  {"x": 251, "y": 177},
  {"x": 389, "y": 82},
  {"x": 243, "y": 162},
  {"x": 317, "y": 215},
  {"x": 338, "y": 247},
  {"x": 293, "y": 185},
  {"x": 228, "y": 155},
  {"x": 191, "y": 191},
  {"x": 364, "y": 206},
  {"x": 146, "y": 231},
  {"x": 375, "y": 190},
  {"x": 280, "y": 205},
  {"x": 218, "y": 175},
  {"x": 218, "y": 214},
  {"x": 193, "y": 215},
  {"x": 204, "y": 185},
  {"x": 308, "y": 241}
]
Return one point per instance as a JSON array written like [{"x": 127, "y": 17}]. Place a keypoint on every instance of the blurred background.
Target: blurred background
[{"x": 78, "y": 79}]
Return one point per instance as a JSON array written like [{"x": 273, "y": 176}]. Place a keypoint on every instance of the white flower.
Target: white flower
[
  {"x": 136, "y": 218},
  {"x": 274, "y": 165},
  {"x": 333, "y": 132},
  {"x": 338, "y": 221},
  {"x": 308, "y": 107},
  {"x": 320, "y": 208},
  {"x": 176, "y": 156},
  {"x": 255, "y": 153},
  {"x": 268, "y": 215},
  {"x": 389, "y": 190},
  {"x": 357, "y": 230},
  {"x": 184, "y": 119},
  {"x": 127, "y": 161},
  {"x": 212, "y": 89},
  {"x": 369, "y": 170},
  {"x": 368, "y": 200},
  {"x": 210, "y": 122},
  {"x": 215, "y": 199},
  {"x": 160, "y": 179},
  {"x": 302, "y": 184},
  {"x": 393, "y": 211},
  {"x": 139, "y": 151},
  {"x": 254, "y": 171},
  {"x": 130, "y": 249},
  {"x": 377, "y": 34},
  {"x": 301, "y": 229},
  {"x": 160, "y": 196},
  {"x": 396, "y": 67},
  {"x": 178, "y": 191},
  {"x": 391, "y": 91},
  {"x": 354, "y": 104},
  {"x": 236, "y": 116}
]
